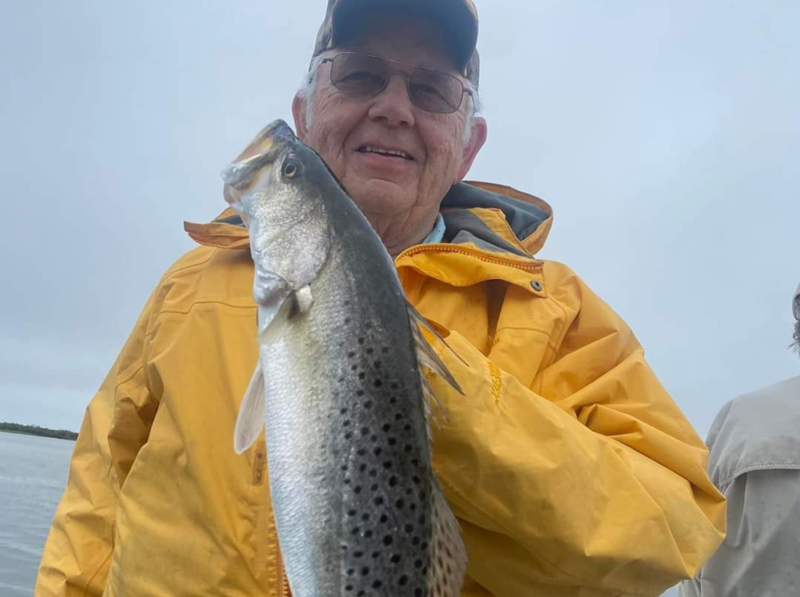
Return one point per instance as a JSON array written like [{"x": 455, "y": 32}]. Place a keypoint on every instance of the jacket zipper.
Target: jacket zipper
[
  {"x": 536, "y": 265},
  {"x": 283, "y": 582}
]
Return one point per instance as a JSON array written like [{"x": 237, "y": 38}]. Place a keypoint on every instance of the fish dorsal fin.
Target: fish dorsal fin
[
  {"x": 428, "y": 358},
  {"x": 251, "y": 414},
  {"x": 425, "y": 352}
]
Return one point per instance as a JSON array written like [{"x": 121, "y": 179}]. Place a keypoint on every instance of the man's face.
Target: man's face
[{"x": 396, "y": 193}]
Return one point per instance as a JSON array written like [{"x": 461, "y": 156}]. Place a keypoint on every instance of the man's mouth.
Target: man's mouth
[{"x": 392, "y": 153}]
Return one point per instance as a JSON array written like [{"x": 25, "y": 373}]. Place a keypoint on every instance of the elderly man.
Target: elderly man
[
  {"x": 571, "y": 470},
  {"x": 755, "y": 461}
]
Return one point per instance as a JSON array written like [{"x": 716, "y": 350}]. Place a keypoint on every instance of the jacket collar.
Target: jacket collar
[{"x": 494, "y": 218}]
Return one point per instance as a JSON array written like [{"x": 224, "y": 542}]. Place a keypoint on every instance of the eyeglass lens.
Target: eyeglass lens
[{"x": 363, "y": 76}]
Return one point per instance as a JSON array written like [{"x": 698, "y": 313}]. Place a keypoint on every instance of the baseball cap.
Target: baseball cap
[{"x": 457, "y": 19}]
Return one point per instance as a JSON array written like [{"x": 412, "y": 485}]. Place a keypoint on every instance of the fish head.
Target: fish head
[{"x": 276, "y": 186}]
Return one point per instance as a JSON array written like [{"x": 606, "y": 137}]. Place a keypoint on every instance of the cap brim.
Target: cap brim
[
  {"x": 796, "y": 304},
  {"x": 457, "y": 21}
]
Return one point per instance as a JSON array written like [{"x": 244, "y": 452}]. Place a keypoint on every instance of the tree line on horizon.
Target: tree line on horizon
[{"x": 40, "y": 431}]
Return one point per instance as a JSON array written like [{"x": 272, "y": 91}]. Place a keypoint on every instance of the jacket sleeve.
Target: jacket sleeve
[
  {"x": 588, "y": 481},
  {"x": 77, "y": 554},
  {"x": 763, "y": 510}
]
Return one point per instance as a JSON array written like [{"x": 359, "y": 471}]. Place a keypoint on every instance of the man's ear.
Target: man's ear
[
  {"x": 471, "y": 149},
  {"x": 299, "y": 112}
]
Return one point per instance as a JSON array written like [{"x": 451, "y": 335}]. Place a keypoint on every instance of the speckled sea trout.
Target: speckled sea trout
[{"x": 358, "y": 509}]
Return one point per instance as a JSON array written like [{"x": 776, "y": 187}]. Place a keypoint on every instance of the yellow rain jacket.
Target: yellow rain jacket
[{"x": 572, "y": 471}]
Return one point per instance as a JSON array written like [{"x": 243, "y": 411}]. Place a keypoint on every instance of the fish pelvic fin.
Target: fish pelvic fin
[{"x": 250, "y": 420}]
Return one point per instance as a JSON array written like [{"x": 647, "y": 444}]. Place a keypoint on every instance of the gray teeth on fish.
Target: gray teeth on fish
[{"x": 339, "y": 386}]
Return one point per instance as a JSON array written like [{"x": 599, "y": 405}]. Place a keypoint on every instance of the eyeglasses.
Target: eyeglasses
[{"x": 362, "y": 75}]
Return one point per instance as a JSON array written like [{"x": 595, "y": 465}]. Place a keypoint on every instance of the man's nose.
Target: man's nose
[{"x": 392, "y": 105}]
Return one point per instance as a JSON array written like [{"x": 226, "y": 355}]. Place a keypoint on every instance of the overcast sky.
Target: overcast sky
[{"x": 665, "y": 134}]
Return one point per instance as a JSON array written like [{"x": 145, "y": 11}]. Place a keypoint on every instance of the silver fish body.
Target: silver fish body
[{"x": 357, "y": 506}]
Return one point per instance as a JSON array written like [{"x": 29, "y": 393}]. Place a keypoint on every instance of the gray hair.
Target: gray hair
[{"x": 308, "y": 86}]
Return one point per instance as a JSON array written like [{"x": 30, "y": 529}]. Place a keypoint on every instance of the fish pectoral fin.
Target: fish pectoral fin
[
  {"x": 251, "y": 414},
  {"x": 293, "y": 304},
  {"x": 304, "y": 299}
]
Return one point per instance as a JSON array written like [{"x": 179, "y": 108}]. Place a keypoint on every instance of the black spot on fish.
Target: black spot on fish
[
  {"x": 351, "y": 354},
  {"x": 377, "y": 584},
  {"x": 377, "y": 364},
  {"x": 403, "y": 580},
  {"x": 396, "y": 558},
  {"x": 384, "y": 518},
  {"x": 368, "y": 404},
  {"x": 388, "y": 540},
  {"x": 377, "y": 451},
  {"x": 365, "y": 571},
  {"x": 399, "y": 504},
  {"x": 392, "y": 481}
]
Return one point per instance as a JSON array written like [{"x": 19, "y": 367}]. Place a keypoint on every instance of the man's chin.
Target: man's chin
[{"x": 382, "y": 197}]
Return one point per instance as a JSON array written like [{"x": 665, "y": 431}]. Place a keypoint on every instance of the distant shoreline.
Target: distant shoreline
[{"x": 39, "y": 431}]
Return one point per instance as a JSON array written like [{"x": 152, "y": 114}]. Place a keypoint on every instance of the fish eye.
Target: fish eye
[{"x": 291, "y": 169}]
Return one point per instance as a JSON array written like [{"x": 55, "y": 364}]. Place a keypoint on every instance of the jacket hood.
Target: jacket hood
[{"x": 493, "y": 217}]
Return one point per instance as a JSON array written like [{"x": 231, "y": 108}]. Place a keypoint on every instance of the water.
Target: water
[{"x": 33, "y": 474}]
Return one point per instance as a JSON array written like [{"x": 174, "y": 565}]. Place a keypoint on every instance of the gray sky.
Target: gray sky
[{"x": 665, "y": 134}]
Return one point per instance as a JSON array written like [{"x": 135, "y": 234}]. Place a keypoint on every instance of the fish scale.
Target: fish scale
[{"x": 358, "y": 509}]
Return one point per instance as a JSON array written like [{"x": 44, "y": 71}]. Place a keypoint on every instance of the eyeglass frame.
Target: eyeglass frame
[{"x": 464, "y": 89}]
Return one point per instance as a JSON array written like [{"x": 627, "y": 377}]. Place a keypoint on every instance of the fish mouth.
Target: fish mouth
[{"x": 274, "y": 141}]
